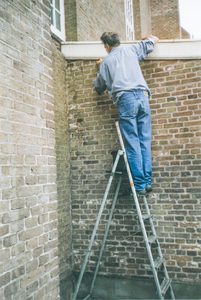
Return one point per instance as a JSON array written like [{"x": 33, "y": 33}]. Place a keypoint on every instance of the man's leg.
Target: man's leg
[
  {"x": 144, "y": 133},
  {"x": 128, "y": 111}
]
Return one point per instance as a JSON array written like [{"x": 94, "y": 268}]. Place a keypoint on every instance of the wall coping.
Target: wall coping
[{"x": 164, "y": 50}]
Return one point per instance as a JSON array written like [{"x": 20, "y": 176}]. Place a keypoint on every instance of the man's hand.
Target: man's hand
[
  {"x": 99, "y": 62},
  {"x": 154, "y": 38}
]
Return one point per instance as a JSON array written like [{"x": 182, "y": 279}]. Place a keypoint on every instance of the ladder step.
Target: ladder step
[
  {"x": 158, "y": 262},
  {"x": 116, "y": 172},
  {"x": 152, "y": 239},
  {"x": 165, "y": 285},
  {"x": 146, "y": 216}
]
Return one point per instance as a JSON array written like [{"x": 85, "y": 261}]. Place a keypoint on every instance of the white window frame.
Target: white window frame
[
  {"x": 60, "y": 34},
  {"x": 130, "y": 33}
]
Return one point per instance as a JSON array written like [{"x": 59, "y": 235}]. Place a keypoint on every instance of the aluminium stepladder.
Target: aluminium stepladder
[{"x": 155, "y": 264}]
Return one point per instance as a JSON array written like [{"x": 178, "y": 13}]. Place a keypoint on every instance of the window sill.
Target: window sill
[{"x": 164, "y": 50}]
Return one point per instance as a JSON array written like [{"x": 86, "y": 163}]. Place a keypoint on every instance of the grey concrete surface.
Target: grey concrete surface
[{"x": 115, "y": 288}]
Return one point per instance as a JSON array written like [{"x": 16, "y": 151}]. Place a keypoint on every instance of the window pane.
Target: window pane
[
  {"x": 57, "y": 4},
  {"x": 52, "y": 16},
  {"x": 58, "y": 22}
]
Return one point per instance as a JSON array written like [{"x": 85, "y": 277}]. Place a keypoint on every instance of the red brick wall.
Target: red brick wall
[
  {"x": 165, "y": 19},
  {"x": 175, "y": 200},
  {"x": 137, "y": 19},
  {"x": 164, "y": 16},
  {"x": 70, "y": 20},
  {"x": 95, "y": 17}
]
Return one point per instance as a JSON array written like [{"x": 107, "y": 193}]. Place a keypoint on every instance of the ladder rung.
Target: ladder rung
[
  {"x": 157, "y": 263},
  {"x": 146, "y": 216},
  {"x": 152, "y": 239},
  {"x": 116, "y": 172},
  {"x": 159, "y": 260},
  {"x": 165, "y": 285}
]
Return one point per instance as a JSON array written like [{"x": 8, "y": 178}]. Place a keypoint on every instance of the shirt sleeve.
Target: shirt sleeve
[
  {"x": 143, "y": 48},
  {"x": 99, "y": 83}
]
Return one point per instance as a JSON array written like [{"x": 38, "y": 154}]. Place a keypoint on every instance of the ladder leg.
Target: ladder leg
[
  {"x": 158, "y": 248},
  {"x": 148, "y": 247},
  {"x": 106, "y": 232},
  {"x": 96, "y": 225}
]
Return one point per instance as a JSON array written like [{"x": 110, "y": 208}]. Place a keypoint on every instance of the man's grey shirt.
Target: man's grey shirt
[{"x": 120, "y": 72}]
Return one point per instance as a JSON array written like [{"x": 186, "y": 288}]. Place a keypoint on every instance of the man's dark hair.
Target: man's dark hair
[{"x": 110, "y": 38}]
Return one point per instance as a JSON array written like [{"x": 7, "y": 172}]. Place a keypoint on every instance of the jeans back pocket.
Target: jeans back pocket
[{"x": 128, "y": 106}]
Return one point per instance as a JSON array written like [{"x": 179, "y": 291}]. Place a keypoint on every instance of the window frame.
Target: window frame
[{"x": 57, "y": 32}]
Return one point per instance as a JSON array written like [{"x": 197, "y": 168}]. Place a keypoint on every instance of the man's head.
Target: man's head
[{"x": 110, "y": 40}]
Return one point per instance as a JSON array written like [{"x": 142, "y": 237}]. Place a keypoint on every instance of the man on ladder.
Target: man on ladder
[{"x": 120, "y": 73}]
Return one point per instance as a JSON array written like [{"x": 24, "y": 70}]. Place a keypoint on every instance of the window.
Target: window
[
  {"x": 57, "y": 18},
  {"x": 129, "y": 20}
]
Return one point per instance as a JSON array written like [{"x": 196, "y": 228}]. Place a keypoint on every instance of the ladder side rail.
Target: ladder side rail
[
  {"x": 106, "y": 233},
  {"x": 151, "y": 224},
  {"x": 97, "y": 223},
  {"x": 139, "y": 213},
  {"x": 158, "y": 248}
]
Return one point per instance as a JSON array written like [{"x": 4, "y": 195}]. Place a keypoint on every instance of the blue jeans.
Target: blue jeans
[{"x": 135, "y": 121}]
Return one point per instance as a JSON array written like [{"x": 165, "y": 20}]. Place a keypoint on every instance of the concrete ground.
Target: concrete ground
[{"x": 115, "y": 288}]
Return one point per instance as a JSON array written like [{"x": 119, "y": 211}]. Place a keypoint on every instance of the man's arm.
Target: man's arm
[
  {"x": 154, "y": 38},
  {"x": 99, "y": 82}
]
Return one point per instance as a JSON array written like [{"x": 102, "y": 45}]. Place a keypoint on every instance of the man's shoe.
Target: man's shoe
[
  {"x": 148, "y": 188},
  {"x": 141, "y": 193}
]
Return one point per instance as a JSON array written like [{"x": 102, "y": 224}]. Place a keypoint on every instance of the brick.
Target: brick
[
  {"x": 4, "y": 230},
  {"x": 18, "y": 272},
  {"x": 31, "y": 180},
  {"x": 4, "y": 279},
  {"x": 4, "y": 255},
  {"x": 16, "y": 226},
  {"x": 31, "y": 222},
  {"x": 15, "y": 215},
  {"x": 28, "y": 191},
  {"x": 17, "y": 204},
  {"x": 30, "y": 233},
  {"x": 8, "y": 149},
  {"x": 38, "y": 251},
  {"x": 31, "y": 266},
  {"x": 13, "y": 127},
  {"x": 30, "y": 159},
  {"x": 52, "y": 284},
  {"x": 4, "y": 206},
  {"x": 31, "y": 288},
  {"x": 43, "y": 218},
  {"x": 32, "y": 243},
  {"x": 10, "y": 240},
  {"x": 39, "y": 294},
  {"x": 32, "y": 276},
  {"x": 36, "y": 210},
  {"x": 11, "y": 289},
  {"x": 43, "y": 259},
  {"x": 17, "y": 181}
]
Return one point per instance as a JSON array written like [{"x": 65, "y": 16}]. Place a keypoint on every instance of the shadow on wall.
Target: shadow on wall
[{"x": 63, "y": 173}]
